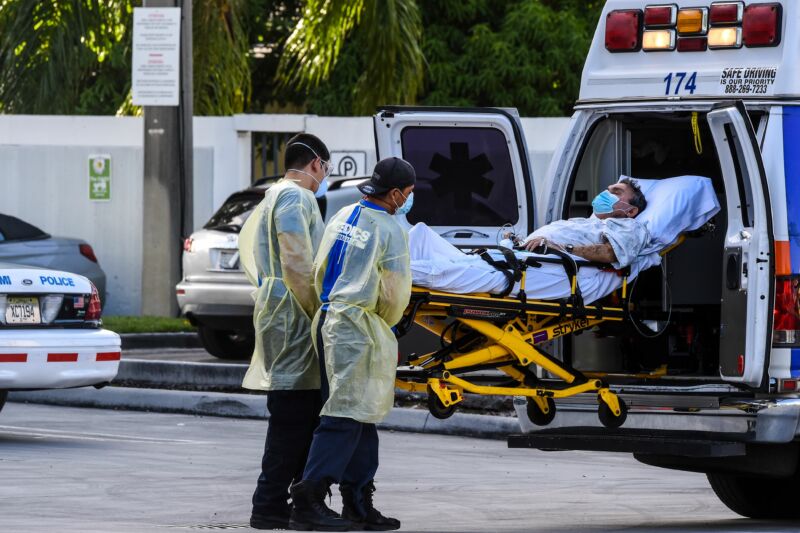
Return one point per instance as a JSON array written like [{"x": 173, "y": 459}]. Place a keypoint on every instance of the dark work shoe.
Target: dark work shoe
[
  {"x": 359, "y": 509},
  {"x": 270, "y": 520},
  {"x": 309, "y": 512}
]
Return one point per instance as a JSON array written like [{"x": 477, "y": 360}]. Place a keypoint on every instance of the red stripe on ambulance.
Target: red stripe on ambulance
[{"x": 108, "y": 356}]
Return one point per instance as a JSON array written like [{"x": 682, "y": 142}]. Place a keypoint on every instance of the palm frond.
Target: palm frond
[
  {"x": 311, "y": 50},
  {"x": 391, "y": 34}
]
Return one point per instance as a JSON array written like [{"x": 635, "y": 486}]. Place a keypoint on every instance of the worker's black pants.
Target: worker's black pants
[{"x": 294, "y": 415}]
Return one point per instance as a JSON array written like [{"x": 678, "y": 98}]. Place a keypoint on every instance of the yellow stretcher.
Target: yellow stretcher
[{"x": 485, "y": 332}]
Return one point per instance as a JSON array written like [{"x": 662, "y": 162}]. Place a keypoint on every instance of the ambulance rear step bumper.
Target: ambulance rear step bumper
[{"x": 679, "y": 443}]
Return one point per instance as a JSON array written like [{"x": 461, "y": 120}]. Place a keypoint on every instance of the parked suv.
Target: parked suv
[{"x": 214, "y": 293}]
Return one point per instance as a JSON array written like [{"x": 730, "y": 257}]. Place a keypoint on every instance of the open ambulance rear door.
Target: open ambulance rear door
[
  {"x": 748, "y": 271},
  {"x": 473, "y": 173}
]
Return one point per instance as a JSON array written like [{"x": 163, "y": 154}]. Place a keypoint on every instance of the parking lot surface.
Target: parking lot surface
[
  {"x": 91, "y": 470},
  {"x": 192, "y": 355}
]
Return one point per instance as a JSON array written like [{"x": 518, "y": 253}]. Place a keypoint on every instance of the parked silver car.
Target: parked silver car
[
  {"x": 214, "y": 293},
  {"x": 25, "y": 244}
]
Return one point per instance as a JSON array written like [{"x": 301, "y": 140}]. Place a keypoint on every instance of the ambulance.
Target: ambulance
[{"x": 688, "y": 87}]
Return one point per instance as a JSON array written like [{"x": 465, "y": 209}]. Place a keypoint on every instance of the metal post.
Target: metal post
[{"x": 167, "y": 195}]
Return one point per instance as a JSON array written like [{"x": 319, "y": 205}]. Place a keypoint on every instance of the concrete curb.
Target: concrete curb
[
  {"x": 254, "y": 406},
  {"x": 132, "y": 341},
  {"x": 226, "y": 377}
]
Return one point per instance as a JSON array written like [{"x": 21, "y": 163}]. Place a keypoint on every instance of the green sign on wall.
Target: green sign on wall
[{"x": 100, "y": 177}]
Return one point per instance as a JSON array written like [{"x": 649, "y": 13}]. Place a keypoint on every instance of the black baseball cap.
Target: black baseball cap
[{"x": 390, "y": 173}]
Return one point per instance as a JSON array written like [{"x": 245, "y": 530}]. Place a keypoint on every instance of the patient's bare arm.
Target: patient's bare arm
[{"x": 601, "y": 253}]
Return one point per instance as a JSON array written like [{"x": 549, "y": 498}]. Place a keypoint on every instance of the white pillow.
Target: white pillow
[{"x": 675, "y": 205}]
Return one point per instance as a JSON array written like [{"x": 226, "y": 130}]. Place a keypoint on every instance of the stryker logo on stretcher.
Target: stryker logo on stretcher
[
  {"x": 566, "y": 329},
  {"x": 5, "y": 280},
  {"x": 57, "y": 281}
]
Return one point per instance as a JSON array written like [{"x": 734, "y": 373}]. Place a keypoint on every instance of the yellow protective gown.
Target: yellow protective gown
[
  {"x": 276, "y": 251},
  {"x": 363, "y": 275}
]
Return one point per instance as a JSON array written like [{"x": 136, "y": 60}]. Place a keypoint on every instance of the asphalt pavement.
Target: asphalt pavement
[
  {"x": 192, "y": 355},
  {"x": 92, "y": 470}
]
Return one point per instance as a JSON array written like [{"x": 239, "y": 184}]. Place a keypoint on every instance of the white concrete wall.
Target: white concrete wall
[{"x": 44, "y": 175}]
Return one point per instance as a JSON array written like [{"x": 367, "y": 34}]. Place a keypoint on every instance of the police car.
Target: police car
[
  {"x": 688, "y": 87},
  {"x": 50, "y": 334}
]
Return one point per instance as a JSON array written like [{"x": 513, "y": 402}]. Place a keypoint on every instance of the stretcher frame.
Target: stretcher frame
[{"x": 506, "y": 334}]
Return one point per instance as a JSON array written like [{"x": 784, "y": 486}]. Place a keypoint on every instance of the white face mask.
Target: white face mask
[{"x": 322, "y": 186}]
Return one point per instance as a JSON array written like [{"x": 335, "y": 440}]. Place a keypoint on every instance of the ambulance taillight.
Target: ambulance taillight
[
  {"x": 722, "y": 25},
  {"x": 761, "y": 25},
  {"x": 624, "y": 30},
  {"x": 786, "y": 315}
]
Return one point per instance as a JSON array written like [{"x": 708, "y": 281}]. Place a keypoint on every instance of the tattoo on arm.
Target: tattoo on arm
[{"x": 601, "y": 253}]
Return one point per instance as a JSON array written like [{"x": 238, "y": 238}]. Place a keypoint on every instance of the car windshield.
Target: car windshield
[
  {"x": 233, "y": 213},
  {"x": 14, "y": 229}
]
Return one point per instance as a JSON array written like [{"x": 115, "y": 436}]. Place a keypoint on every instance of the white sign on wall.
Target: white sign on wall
[
  {"x": 155, "y": 70},
  {"x": 350, "y": 164}
]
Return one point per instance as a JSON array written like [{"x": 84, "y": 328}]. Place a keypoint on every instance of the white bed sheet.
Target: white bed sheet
[{"x": 675, "y": 205}]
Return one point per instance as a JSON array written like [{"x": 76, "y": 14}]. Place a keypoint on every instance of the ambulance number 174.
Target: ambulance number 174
[{"x": 680, "y": 81}]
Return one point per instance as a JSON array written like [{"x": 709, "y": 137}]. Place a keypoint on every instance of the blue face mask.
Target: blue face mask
[
  {"x": 604, "y": 202},
  {"x": 406, "y": 207}
]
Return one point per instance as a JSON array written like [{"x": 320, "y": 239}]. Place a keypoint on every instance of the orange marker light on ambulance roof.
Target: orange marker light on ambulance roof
[
  {"x": 724, "y": 38},
  {"x": 692, "y": 21},
  {"x": 658, "y": 40}
]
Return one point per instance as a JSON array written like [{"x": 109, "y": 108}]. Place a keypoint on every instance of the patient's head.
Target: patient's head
[{"x": 630, "y": 200}]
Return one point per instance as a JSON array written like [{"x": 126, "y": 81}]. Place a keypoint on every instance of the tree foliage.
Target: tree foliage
[
  {"x": 332, "y": 57},
  {"x": 388, "y": 31},
  {"x": 523, "y": 53}
]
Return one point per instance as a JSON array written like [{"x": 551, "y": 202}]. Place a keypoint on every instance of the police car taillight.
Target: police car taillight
[
  {"x": 94, "y": 311},
  {"x": 624, "y": 30},
  {"x": 786, "y": 315},
  {"x": 761, "y": 25}
]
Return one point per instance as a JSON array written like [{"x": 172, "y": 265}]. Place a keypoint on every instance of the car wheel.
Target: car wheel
[
  {"x": 3, "y": 397},
  {"x": 226, "y": 344},
  {"x": 755, "y": 497}
]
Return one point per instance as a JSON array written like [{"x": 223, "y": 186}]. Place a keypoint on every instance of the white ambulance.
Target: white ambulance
[
  {"x": 684, "y": 88},
  {"x": 50, "y": 332}
]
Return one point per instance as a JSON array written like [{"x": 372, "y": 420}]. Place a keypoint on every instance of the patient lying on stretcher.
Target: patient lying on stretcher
[{"x": 614, "y": 234}]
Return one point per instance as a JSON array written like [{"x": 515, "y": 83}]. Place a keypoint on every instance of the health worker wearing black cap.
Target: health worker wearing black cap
[{"x": 362, "y": 274}]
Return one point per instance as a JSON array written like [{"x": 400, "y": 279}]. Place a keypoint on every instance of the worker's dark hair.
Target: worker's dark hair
[
  {"x": 298, "y": 156},
  {"x": 638, "y": 200}
]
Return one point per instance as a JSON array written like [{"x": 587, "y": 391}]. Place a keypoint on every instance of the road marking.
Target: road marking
[{"x": 41, "y": 432}]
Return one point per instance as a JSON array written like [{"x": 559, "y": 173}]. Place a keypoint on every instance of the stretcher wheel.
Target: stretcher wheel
[
  {"x": 437, "y": 408},
  {"x": 539, "y": 417},
  {"x": 609, "y": 419}
]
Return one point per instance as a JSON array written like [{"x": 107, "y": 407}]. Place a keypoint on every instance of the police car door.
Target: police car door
[
  {"x": 748, "y": 266},
  {"x": 473, "y": 174}
]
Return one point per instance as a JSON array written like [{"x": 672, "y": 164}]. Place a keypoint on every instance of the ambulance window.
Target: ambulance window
[
  {"x": 601, "y": 163},
  {"x": 464, "y": 176},
  {"x": 742, "y": 176}
]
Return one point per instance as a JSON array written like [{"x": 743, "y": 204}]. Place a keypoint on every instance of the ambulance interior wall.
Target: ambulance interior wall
[{"x": 45, "y": 162}]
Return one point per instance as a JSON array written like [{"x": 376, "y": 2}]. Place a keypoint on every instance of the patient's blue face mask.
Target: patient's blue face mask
[{"x": 604, "y": 203}]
